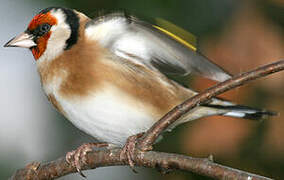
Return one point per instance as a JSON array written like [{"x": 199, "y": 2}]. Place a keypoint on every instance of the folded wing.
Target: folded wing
[{"x": 152, "y": 46}]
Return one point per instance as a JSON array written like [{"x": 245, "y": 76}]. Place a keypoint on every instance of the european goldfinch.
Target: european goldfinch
[{"x": 108, "y": 75}]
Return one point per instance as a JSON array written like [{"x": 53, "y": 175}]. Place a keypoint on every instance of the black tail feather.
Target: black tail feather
[{"x": 244, "y": 111}]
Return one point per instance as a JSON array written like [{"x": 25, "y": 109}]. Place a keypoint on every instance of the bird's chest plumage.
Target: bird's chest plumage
[
  {"x": 104, "y": 98},
  {"x": 105, "y": 104},
  {"x": 109, "y": 115}
]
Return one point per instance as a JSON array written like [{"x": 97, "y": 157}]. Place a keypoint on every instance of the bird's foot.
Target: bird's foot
[
  {"x": 77, "y": 158},
  {"x": 128, "y": 150}
]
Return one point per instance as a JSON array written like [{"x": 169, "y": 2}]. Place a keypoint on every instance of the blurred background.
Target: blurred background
[{"x": 239, "y": 35}]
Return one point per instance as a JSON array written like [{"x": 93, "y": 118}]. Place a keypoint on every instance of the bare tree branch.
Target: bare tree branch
[
  {"x": 151, "y": 159},
  {"x": 160, "y": 160}
]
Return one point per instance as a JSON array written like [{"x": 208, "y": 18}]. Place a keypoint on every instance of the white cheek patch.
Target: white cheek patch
[{"x": 57, "y": 40}]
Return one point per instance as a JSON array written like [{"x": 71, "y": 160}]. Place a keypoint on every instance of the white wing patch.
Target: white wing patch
[
  {"x": 115, "y": 35},
  {"x": 105, "y": 32}
]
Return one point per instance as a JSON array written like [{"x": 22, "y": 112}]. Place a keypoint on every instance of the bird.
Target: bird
[{"x": 111, "y": 75}]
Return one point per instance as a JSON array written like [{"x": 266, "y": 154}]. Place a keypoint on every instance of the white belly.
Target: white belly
[{"x": 108, "y": 115}]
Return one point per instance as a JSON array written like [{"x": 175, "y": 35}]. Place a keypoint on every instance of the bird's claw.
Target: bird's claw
[
  {"x": 78, "y": 158},
  {"x": 128, "y": 151}
]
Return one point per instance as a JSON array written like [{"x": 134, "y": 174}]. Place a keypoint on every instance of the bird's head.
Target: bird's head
[{"x": 49, "y": 33}]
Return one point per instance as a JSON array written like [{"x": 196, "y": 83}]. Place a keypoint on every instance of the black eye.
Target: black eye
[
  {"x": 45, "y": 28},
  {"x": 42, "y": 29}
]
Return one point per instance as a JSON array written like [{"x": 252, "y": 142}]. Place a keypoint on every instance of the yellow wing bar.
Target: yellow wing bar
[{"x": 190, "y": 41}]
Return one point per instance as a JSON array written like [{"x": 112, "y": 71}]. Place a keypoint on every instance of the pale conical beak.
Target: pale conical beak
[{"x": 22, "y": 40}]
